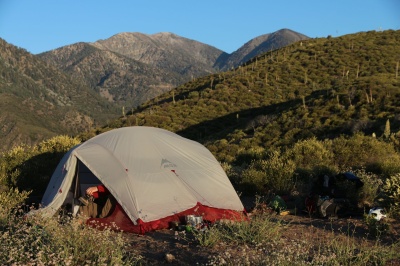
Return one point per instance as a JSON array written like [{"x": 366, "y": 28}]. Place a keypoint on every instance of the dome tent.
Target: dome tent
[{"x": 155, "y": 175}]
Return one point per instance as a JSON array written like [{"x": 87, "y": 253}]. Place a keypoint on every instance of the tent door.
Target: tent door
[{"x": 83, "y": 179}]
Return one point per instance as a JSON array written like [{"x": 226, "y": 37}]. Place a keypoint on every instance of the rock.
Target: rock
[{"x": 169, "y": 257}]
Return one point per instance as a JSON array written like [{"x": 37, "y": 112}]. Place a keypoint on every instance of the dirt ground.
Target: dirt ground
[{"x": 165, "y": 247}]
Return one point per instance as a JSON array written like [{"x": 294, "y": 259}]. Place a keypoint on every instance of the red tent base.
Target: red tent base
[{"x": 118, "y": 220}]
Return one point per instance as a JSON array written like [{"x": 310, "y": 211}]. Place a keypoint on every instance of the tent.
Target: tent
[{"x": 155, "y": 175}]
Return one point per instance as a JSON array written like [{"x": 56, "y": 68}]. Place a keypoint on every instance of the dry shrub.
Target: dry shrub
[
  {"x": 38, "y": 241},
  {"x": 260, "y": 229}
]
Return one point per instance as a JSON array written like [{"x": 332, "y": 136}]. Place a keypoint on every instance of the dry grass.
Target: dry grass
[
  {"x": 37, "y": 241},
  {"x": 307, "y": 244}
]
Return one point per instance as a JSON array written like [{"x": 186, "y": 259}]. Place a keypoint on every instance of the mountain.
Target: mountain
[
  {"x": 322, "y": 88},
  {"x": 257, "y": 46},
  {"x": 116, "y": 77},
  {"x": 130, "y": 68},
  {"x": 39, "y": 101},
  {"x": 164, "y": 50},
  {"x": 79, "y": 86}
]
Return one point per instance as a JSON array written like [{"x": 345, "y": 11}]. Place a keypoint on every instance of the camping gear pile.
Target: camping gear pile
[
  {"x": 327, "y": 200},
  {"x": 156, "y": 177},
  {"x": 190, "y": 223}
]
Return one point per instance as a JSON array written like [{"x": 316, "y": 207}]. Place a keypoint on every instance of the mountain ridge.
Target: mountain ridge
[
  {"x": 169, "y": 59},
  {"x": 81, "y": 86},
  {"x": 259, "y": 45}
]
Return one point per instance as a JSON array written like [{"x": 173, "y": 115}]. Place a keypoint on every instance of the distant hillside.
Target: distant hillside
[
  {"x": 130, "y": 68},
  {"x": 38, "y": 101},
  {"x": 321, "y": 88},
  {"x": 257, "y": 46}
]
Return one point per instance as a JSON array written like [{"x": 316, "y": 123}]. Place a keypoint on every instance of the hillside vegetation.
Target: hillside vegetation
[
  {"x": 38, "y": 101},
  {"x": 321, "y": 88}
]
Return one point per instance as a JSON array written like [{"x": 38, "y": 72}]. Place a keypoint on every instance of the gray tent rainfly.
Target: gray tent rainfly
[{"x": 155, "y": 175}]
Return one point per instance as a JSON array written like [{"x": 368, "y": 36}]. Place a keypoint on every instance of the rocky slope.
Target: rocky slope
[
  {"x": 114, "y": 76},
  {"x": 164, "y": 50}
]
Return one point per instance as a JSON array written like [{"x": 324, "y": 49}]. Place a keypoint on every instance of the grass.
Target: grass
[
  {"x": 268, "y": 240},
  {"x": 36, "y": 241}
]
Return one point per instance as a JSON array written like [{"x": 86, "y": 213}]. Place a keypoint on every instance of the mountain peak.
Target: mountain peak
[{"x": 259, "y": 45}]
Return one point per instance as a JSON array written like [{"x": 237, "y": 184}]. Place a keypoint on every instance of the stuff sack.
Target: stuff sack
[{"x": 327, "y": 207}]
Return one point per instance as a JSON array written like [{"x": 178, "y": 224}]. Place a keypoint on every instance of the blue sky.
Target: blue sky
[{"x": 43, "y": 25}]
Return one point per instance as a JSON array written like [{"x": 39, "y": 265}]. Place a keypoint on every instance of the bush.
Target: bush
[
  {"x": 311, "y": 154},
  {"x": 30, "y": 168},
  {"x": 37, "y": 241},
  {"x": 274, "y": 173},
  {"x": 260, "y": 229},
  {"x": 390, "y": 195},
  {"x": 376, "y": 228},
  {"x": 361, "y": 151},
  {"x": 9, "y": 201},
  {"x": 368, "y": 193}
]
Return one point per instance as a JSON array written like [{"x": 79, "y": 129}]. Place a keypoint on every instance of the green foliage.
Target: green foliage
[
  {"x": 208, "y": 238},
  {"x": 260, "y": 229},
  {"x": 363, "y": 151},
  {"x": 390, "y": 194},
  {"x": 311, "y": 154},
  {"x": 275, "y": 173},
  {"x": 30, "y": 168},
  {"x": 376, "y": 229},
  {"x": 368, "y": 194},
  {"x": 9, "y": 201}
]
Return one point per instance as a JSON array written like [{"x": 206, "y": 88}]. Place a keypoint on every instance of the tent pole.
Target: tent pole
[{"x": 77, "y": 190}]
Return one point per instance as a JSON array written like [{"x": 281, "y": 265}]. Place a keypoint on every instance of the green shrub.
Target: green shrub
[
  {"x": 9, "y": 201},
  {"x": 390, "y": 195},
  {"x": 260, "y": 229},
  {"x": 311, "y": 153},
  {"x": 361, "y": 151},
  {"x": 274, "y": 173},
  {"x": 368, "y": 193},
  {"x": 30, "y": 168},
  {"x": 376, "y": 228}
]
